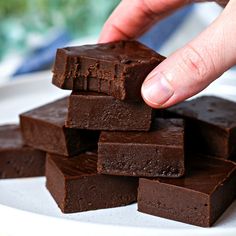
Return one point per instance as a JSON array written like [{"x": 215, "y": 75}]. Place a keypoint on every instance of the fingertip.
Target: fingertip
[
  {"x": 110, "y": 33},
  {"x": 103, "y": 39},
  {"x": 104, "y": 36}
]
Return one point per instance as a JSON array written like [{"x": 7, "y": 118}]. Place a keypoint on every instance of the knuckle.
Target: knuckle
[{"x": 194, "y": 63}]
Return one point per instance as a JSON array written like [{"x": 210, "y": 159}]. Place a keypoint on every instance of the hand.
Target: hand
[{"x": 191, "y": 68}]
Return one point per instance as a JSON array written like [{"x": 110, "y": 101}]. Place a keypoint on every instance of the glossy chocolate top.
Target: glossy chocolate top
[
  {"x": 210, "y": 109},
  {"x": 80, "y": 165},
  {"x": 125, "y": 52},
  {"x": 10, "y": 137},
  {"x": 204, "y": 174},
  {"x": 54, "y": 112},
  {"x": 163, "y": 132}
]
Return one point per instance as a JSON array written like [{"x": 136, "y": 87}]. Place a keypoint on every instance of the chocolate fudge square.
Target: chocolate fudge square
[
  {"x": 44, "y": 128},
  {"x": 76, "y": 186},
  {"x": 199, "y": 198},
  {"x": 16, "y": 159},
  {"x": 159, "y": 152},
  {"x": 210, "y": 125},
  {"x": 117, "y": 68},
  {"x": 96, "y": 111}
]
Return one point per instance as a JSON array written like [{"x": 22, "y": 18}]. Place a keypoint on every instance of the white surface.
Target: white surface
[{"x": 26, "y": 208}]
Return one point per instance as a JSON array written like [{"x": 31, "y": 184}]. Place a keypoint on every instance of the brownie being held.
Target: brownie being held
[{"x": 117, "y": 68}]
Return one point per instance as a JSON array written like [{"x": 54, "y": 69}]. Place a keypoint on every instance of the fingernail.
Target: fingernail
[{"x": 156, "y": 90}]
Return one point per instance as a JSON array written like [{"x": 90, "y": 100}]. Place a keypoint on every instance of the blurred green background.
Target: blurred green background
[{"x": 26, "y": 23}]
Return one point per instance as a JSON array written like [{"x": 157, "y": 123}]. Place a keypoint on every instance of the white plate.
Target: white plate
[{"x": 26, "y": 208}]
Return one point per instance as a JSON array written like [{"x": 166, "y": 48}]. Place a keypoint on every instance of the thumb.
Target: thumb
[{"x": 193, "y": 67}]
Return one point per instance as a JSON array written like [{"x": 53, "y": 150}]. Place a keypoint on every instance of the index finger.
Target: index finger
[{"x": 132, "y": 18}]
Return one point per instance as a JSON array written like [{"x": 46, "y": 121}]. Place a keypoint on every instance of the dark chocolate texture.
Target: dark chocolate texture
[
  {"x": 199, "y": 198},
  {"x": 210, "y": 125},
  {"x": 95, "y": 111},
  {"x": 76, "y": 186},
  {"x": 16, "y": 159},
  {"x": 44, "y": 128},
  {"x": 159, "y": 152},
  {"x": 117, "y": 68}
]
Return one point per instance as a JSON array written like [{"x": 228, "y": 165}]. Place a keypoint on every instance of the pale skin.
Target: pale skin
[{"x": 188, "y": 70}]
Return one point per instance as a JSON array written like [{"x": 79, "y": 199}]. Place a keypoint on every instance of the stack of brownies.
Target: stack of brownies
[{"x": 106, "y": 148}]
